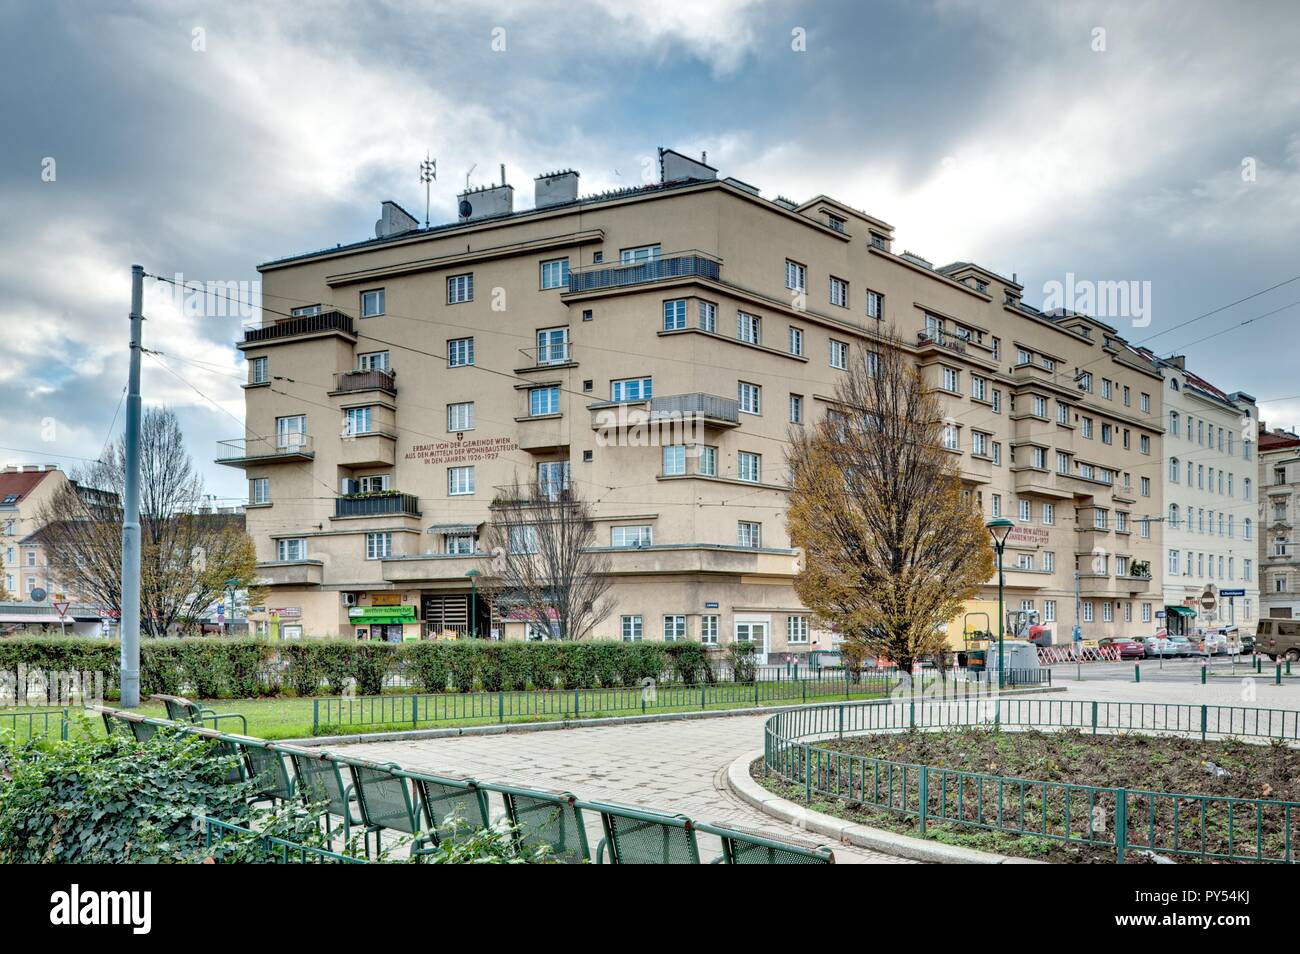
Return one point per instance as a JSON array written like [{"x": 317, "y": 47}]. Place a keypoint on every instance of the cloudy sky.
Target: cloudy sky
[{"x": 1147, "y": 142}]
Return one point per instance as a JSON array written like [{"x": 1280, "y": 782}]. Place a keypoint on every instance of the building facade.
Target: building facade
[
  {"x": 1210, "y": 488},
  {"x": 24, "y": 489},
  {"x": 1279, "y": 512},
  {"x": 397, "y": 384}
]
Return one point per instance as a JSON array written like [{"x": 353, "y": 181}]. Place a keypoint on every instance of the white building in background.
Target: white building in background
[{"x": 1209, "y": 475}]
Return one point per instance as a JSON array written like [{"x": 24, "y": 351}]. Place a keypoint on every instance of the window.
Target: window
[
  {"x": 1107, "y": 434},
  {"x": 1049, "y": 513},
  {"x": 552, "y": 478},
  {"x": 1106, "y": 389},
  {"x": 796, "y": 276},
  {"x": 555, "y": 273},
  {"x": 979, "y": 444},
  {"x": 552, "y": 345},
  {"x": 259, "y": 490},
  {"x": 979, "y": 388},
  {"x": 460, "y": 288},
  {"x": 708, "y": 316},
  {"x": 839, "y": 292},
  {"x": 951, "y": 379},
  {"x": 796, "y": 340},
  {"x": 460, "y": 417},
  {"x": 749, "y": 327},
  {"x": 709, "y": 630},
  {"x": 305, "y": 311},
  {"x": 373, "y": 361},
  {"x": 1144, "y": 402},
  {"x": 875, "y": 305},
  {"x": 372, "y": 303},
  {"x": 997, "y": 401},
  {"x": 631, "y": 629},
  {"x": 460, "y": 352},
  {"x": 1049, "y": 561},
  {"x": 1023, "y": 357},
  {"x": 1025, "y": 511},
  {"x": 1107, "y": 611},
  {"x": 543, "y": 401},
  {"x": 674, "y": 460},
  {"x": 707, "y": 464},
  {"x": 1100, "y": 518},
  {"x": 1173, "y": 470},
  {"x": 1085, "y": 427},
  {"x": 291, "y": 431},
  {"x": 996, "y": 505},
  {"x": 379, "y": 546},
  {"x": 840, "y": 354},
  {"x": 796, "y": 408},
  {"x": 1087, "y": 611},
  {"x": 749, "y": 466},
  {"x": 1121, "y": 521},
  {"x": 642, "y": 253},
  {"x": 675, "y": 314},
  {"x": 523, "y": 540},
  {"x": 997, "y": 453},
  {"x": 749, "y": 534},
  {"x": 288, "y": 550},
  {"x": 357, "y": 420},
  {"x": 1024, "y": 561},
  {"x": 1128, "y": 396},
  {"x": 796, "y": 629},
  {"x": 1038, "y": 457},
  {"x": 1049, "y": 611},
  {"x": 674, "y": 628},
  {"x": 1085, "y": 381},
  {"x": 458, "y": 544},
  {"x": 951, "y": 437},
  {"x": 460, "y": 481},
  {"x": 1173, "y": 562},
  {"x": 374, "y": 483},
  {"x": 750, "y": 397},
  {"x": 257, "y": 373},
  {"x": 631, "y": 389},
  {"x": 630, "y": 536},
  {"x": 1039, "y": 405}
]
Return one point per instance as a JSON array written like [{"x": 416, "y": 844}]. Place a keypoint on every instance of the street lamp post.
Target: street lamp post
[
  {"x": 473, "y": 575},
  {"x": 999, "y": 529}
]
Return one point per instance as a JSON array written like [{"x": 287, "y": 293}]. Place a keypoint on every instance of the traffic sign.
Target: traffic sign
[
  {"x": 1208, "y": 601},
  {"x": 61, "y": 607},
  {"x": 1232, "y": 592}
]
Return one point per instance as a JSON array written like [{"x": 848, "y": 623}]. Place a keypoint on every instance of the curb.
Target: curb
[
  {"x": 740, "y": 784},
  {"x": 507, "y": 727}
]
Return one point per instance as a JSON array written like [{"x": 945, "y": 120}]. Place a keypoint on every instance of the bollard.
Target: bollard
[
  {"x": 1203, "y": 669},
  {"x": 1137, "y": 672},
  {"x": 1277, "y": 675}
]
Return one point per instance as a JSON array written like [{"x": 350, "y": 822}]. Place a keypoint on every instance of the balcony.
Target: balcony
[
  {"x": 1037, "y": 480},
  {"x": 326, "y": 323},
  {"x": 391, "y": 504},
  {"x": 543, "y": 435},
  {"x": 265, "y": 450},
  {"x": 976, "y": 470},
  {"x": 688, "y": 264},
  {"x": 931, "y": 337},
  {"x": 1095, "y": 584},
  {"x": 374, "y": 448},
  {"x": 292, "y": 573},
  {"x": 559, "y": 355},
  {"x": 1133, "y": 584},
  {"x": 348, "y": 382},
  {"x": 708, "y": 409},
  {"x": 432, "y": 567}
]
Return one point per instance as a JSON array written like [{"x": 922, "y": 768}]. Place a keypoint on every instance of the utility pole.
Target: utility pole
[{"x": 130, "y": 675}]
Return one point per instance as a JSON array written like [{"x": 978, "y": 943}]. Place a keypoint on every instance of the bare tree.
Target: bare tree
[
  {"x": 186, "y": 557},
  {"x": 544, "y": 559},
  {"x": 893, "y": 546}
]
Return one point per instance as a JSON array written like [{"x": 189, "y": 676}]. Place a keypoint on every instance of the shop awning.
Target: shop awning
[
  {"x": 454, "y": 528},
  {"x": 381, "y": 614},
  {"x": 1180, "y": 611}
]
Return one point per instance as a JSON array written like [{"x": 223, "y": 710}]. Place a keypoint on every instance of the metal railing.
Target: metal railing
[
  {"x": 1122, "y": 820},
  {"x": 305, "y": 325},
  {"x": 22, "y": 725},
  {"x": 377, "y": 505},
  {"x": 696, "y": 403},
  {"x": 369, "y": 380},
  {"x": 558, "y": 353},
  {"x": 252, "y": 447},
  {"x": 338, "y": 714},
  {"x": 676, "y": 265},
  {"x": 272, "y": 849}
]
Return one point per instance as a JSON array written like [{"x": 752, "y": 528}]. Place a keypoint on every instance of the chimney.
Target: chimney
[
  {"x": 487, "y": 201},
  {"x": 675, "y": 167},
  {"x": 394, "y": 220},
  {"x": 555, "y": 188},
  {"x": 1179, "y": 361}
]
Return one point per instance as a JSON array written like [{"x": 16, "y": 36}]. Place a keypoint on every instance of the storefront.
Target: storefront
[
  {"x": 1179, "y": 619},
  {"x": 383, "y": 623}
]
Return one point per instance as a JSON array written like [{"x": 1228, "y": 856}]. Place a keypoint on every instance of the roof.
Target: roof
[
  {"x": 1269, "y": 440},
  {"x": 19, "y": 485}
]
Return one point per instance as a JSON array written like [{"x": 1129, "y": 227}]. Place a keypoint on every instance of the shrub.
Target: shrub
[
  {"x": 744, "y": 666},
  {"x": 426, "y": 663}
]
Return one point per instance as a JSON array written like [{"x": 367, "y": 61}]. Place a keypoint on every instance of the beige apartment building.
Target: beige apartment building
[
  {"x": 650, "y": 348},
  {"x": 1279, "y": 514}
]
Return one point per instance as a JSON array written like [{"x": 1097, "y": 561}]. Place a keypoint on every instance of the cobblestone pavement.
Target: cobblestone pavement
[{"x": 679, "y": 766}]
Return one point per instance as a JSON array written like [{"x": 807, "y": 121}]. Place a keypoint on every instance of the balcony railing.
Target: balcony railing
[
  {"x": 306, "y": 325},
  {"x": 377, "y": 505},
  {"x": 371, "y": 380},
  {"x": 559, "y": 353},
  {"x": 252, "y": 448},
  {"x": 675, "y": 265},
  {"x": 944, "y": 339},
  {"x": 687, "y": 405}
]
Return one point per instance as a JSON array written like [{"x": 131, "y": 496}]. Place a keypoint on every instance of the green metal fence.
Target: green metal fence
[
  {"x": 24, "y": 724},
  {"x": 1123, "y": 820},
  {"x": 347, "y": 713},
  {"x": 271, "y": 849}
]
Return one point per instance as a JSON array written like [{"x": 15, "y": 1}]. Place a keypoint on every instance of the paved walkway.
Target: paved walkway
[{"x": 679, "y": 766}]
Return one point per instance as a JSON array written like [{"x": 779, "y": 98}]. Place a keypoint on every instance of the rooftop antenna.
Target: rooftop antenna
[
  {"x": 467, "y": 175},
  {"x": 428, "y": 173}
]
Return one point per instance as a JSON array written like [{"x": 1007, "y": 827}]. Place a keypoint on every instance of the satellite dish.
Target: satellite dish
[
  {"x": 466, "y": 210},
  {"x": 38, "y": 595}
]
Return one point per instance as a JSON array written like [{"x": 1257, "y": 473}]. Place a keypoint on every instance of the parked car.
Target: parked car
[
  {"x": 1247, "y": 644},
  {"x": 1216, "y": 644},
  {"x": 1179, "y": 645},
  {"x": 1156, "y": 646},
  {"x": 1278, "y": 638},
  {"x": 1127, "y": 648}
]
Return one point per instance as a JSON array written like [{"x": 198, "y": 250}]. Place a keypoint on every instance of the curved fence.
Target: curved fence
[{"x": 1123, "y": 820}]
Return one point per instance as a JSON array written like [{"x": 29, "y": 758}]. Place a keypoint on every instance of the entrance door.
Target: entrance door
[{"x": 754, "y": 629}]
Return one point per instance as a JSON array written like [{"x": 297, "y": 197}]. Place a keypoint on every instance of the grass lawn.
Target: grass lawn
[
  {"x": 1228, "y": 769},
  {"x": 290, "y": 717}
]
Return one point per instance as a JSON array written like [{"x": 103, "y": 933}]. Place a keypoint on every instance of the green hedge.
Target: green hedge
[{"x": 212, "y": 668}]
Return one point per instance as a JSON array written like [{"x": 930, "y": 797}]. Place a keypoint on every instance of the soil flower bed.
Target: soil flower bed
[{"x": 1221, "y": 769}]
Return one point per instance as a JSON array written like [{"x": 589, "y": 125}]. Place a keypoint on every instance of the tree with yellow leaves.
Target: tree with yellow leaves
[{"x": 892, "y": 545}]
